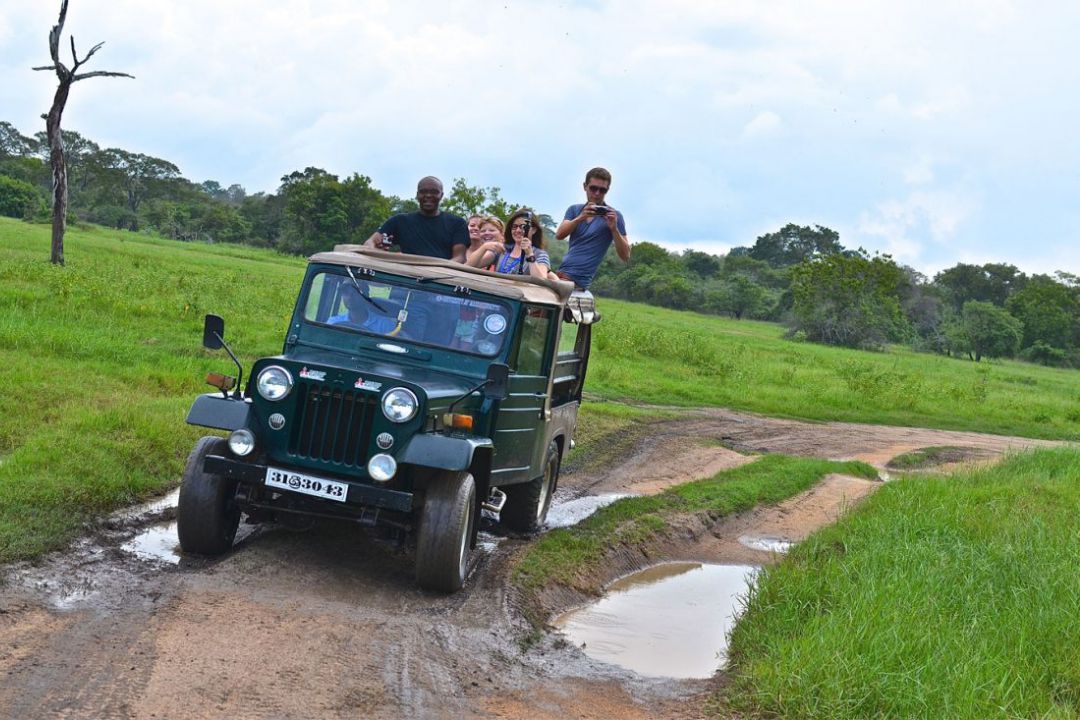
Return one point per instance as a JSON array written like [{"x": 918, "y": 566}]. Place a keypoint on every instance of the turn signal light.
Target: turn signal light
[
  {"x": 224, "y": 383},
  {"x": 458, "y": 421}
]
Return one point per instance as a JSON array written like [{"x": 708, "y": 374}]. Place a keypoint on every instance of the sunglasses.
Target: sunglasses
[
  {"x": 518, "y": 226},
  {"x": 599, "y": 189}
]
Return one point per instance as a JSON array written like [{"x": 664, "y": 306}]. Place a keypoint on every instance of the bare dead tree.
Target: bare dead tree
[{"x": 52, "y": 126}]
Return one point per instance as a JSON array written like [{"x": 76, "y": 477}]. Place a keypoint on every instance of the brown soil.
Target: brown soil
[{"x": 328, "y": 623}]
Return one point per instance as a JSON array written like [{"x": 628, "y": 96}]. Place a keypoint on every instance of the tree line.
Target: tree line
[{"x": 801, "y": 276}]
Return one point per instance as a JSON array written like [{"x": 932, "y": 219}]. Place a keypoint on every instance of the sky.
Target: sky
[{"x": 938, "y": 132}]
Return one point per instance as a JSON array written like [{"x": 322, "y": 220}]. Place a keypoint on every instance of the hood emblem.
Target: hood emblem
[
  {"x": 312, "y": 374},
  {"x": 362, "y": 384}
]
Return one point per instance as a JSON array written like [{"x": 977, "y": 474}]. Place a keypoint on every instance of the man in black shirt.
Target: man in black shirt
[{"x": 427, "y": 232}]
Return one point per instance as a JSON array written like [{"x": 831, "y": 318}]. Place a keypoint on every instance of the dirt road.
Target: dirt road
[{"x": 328, "y": 623}]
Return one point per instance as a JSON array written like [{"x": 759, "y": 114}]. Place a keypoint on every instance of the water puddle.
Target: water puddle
[
  {"x": 572, "y": 512},
  {"x": 158, "y": 542},
  {"x": 767, "y": 544},
  {"x": 670, "y": 620},
  {"x": 149, "y": 508}
]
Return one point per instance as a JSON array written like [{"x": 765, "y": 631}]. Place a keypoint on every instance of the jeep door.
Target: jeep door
[{"x": 520, "y": 428}]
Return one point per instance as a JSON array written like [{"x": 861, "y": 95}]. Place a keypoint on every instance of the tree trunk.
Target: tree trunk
[{"x": 59, "y": 171}]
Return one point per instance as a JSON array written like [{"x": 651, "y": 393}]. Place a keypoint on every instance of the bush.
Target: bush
[{"x": 19, "y": 199}]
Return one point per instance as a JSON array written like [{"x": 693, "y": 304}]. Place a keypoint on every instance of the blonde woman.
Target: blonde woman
[
  {"x": 490, "y": 232},
  {"x": 522, "y": 250}
]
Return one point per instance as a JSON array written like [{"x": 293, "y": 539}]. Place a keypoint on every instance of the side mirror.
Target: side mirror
[
  {"x": 213, "y": 333},
  {"x": 497, "y": 376}
]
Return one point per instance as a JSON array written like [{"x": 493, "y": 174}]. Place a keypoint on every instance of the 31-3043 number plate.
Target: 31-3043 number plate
[{"x": 306, "y": 484}]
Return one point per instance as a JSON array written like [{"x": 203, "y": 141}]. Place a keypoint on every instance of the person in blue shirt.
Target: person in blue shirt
[
  {"x": 362, "y": 313},
  {"x": 592, "y": 227}
]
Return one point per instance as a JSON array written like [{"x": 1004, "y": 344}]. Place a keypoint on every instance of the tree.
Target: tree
[
  {"x": 985, "y": 330},
  {"x": 793, "y": 244},
  {"x": 137, "y": 176},
  {"x": 992, "y": 283},
  {"x": 13, "y": 143},
  {"x": 849, "y": 299},
  {"x": 66, "y": 78},
  {"x": 1049, "y": 311}
]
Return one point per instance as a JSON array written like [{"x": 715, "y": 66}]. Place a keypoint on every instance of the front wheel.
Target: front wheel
[
  {"x": 527, "y": 504},
  {"x": 207, "y": 514},
  {"x": 446, "y": 527}
]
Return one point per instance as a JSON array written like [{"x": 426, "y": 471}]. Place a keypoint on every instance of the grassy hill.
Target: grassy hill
[{"x": 104, "y": 356}]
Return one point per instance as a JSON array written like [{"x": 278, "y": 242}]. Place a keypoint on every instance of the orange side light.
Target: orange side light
[{"x": 458, "y": 421}]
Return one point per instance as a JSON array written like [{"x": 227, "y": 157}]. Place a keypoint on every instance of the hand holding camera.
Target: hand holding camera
[
  {"x": 386, "y": 242},
  {"x": 600, "y": 210}
]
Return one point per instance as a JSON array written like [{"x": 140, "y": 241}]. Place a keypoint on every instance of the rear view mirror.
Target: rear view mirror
[
  {"x": 497, "y": 376},
  {"x": 213, "y": 334}
]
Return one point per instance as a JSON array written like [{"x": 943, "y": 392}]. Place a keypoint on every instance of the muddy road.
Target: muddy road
[{"x": 327, "y": 622}]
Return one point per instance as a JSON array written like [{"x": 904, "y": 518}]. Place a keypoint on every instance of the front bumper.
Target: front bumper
[{"x": 359, "y": 496}]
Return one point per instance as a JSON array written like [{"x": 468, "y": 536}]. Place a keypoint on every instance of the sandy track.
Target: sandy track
[{"x": 328, "y": 623}]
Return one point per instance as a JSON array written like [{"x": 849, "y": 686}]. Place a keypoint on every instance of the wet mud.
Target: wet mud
[{"x": 329, "y": 623}]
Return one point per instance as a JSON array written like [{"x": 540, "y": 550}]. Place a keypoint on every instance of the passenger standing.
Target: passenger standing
[
  {"x": 592, "y": 227},
  {"x": 428, "y": 231}
]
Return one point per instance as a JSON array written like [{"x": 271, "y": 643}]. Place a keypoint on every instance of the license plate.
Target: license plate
[{"x": 306, "y": 484}]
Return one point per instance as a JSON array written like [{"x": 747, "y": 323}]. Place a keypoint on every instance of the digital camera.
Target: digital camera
[{"x": 601, "y": 209}]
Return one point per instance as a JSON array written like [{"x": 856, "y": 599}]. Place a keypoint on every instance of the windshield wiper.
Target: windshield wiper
[{"x": 360, "y": 291}]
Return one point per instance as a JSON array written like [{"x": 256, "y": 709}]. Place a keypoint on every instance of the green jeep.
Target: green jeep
[{"x": 411, "y": 392}]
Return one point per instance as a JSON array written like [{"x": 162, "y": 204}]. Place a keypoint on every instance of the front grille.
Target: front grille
[{"x": 333, "y": 425}]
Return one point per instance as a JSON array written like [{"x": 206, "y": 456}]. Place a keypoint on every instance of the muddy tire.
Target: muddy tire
[
  {"x": 446, "y": 529},
  {"x": 207, "y": 514},
  {"x": 527, "y": 504}
]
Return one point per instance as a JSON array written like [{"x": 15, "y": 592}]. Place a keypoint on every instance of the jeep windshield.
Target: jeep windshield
[{"x": 428, "y": 315}]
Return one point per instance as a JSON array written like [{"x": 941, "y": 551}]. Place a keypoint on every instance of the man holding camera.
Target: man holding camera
[
  {"x": 426, "y": 232},
  {"x": 592, "y": 227}
]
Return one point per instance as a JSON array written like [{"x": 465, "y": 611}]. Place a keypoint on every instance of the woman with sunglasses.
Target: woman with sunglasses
[{"x": 522, "y": 251}]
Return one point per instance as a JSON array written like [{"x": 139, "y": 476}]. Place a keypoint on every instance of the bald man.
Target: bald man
[{"x": 426, "y": 232}]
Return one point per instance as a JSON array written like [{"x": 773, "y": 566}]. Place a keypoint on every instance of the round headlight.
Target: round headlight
[
  {"x": 381, "y": 467},
  {"x": 400, "y": 405},
  {"x": 274, "y": 383},
  {"x": 241, "y": 442}
]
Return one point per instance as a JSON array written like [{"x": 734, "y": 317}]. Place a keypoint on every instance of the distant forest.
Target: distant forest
[{"x": 800, "y": 276}]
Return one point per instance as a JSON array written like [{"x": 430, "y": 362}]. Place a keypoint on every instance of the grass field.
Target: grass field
[
  {"x": 104, "y": 356},
  {"x": 949, "y": 597}
]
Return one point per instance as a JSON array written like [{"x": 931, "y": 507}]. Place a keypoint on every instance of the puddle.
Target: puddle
[
  {"x": 572, "y": 512},
  {"x": 670, "y": 620},
  {"x": 767, "y": 544},
  {"x": 158, "y": 542}
]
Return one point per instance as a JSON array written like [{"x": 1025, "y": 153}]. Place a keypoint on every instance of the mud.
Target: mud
[{"x": 329, "y": 623}]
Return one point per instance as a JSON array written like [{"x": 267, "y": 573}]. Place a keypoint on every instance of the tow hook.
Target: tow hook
[{"x": 495, "y": 500}]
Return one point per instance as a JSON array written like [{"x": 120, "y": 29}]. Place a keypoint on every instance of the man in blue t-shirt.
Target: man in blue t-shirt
[
  {"x": 426, "y": 232},
  {"x": 592, "y": 226}
]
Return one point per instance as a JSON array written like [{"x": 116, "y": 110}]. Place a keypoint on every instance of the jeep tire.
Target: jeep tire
[
  {"x": 446, "y": 531},
  {"x": 207, "y": 514},
  {"x": 527, "y": 504}
]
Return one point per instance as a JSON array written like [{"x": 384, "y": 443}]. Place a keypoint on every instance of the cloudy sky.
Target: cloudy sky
[{"x": 939, "y": 132}]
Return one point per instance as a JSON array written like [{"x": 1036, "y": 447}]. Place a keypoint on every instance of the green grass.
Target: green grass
[
  {"x": 654, "y": 355},
  {"x": 573, "y": 556},
  {"x": 103, "y": 358},
  {"x": 952, "y": 597}
]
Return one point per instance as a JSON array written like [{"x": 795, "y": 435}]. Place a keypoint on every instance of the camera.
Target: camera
[{"x": 601, "y": 209}]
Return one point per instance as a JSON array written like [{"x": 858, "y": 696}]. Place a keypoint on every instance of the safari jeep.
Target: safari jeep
[{"x": 411, "y": 392}]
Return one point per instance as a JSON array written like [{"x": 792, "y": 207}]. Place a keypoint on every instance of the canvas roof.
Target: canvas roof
[{"x": 448, "y": 272}]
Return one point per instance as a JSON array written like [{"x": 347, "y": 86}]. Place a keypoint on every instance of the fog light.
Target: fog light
[
  {"x": 277, "y": 421},
  {"x": 381, "y": 467},
  {"x": 241, "y": 442}
]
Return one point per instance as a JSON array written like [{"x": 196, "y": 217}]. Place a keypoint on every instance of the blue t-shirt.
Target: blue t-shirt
[
  {"x": 513, "y": 265},
  {"x": 589, "y": 241},
  {"x": 418, "y": 234}
]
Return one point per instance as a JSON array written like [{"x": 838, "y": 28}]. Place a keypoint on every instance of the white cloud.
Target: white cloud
[
  {"x": 905, "y": 228},
  {"x": 920, "y": 172},
  {"x": 763, "y": 125}
]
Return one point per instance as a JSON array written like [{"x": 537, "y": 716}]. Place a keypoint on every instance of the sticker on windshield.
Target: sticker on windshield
[{"x": 495, "y": 324}]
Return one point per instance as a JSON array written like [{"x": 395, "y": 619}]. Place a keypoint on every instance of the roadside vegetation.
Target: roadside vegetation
[
  {"x": 939, "y": 597},
  {"x": 103, "y": 358},
  {"x": 574, "y": 556}
]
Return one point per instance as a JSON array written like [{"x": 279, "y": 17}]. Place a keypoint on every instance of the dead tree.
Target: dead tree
[{"x": 52, "y": 126}]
